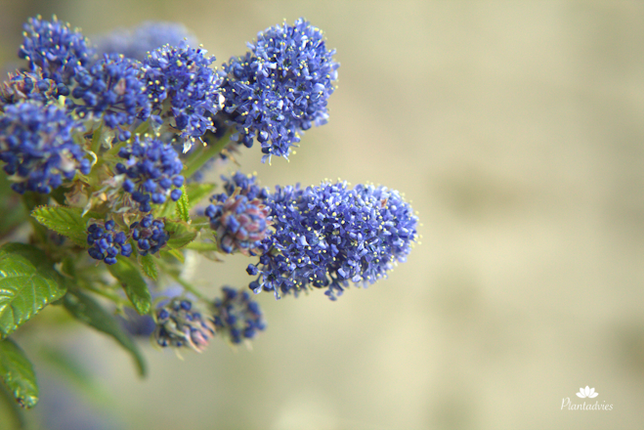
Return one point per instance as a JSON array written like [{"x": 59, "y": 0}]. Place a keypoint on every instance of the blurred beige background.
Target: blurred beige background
[{"x": 517, "y": 131}]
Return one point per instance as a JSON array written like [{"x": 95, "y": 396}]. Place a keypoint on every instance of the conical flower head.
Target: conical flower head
[
  {"x": 280, "y": 88},
  {"x": 55, "y": 48},
  {"x": 328, "y": 235}
]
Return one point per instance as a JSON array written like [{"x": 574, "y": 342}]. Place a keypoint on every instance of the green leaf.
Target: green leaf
[
  {"x": 183, "y": 206},
  {"x": 168, "y": 209},
  {"x": 172, "y": 254},
  {"x": 18, "y": 374},
  {"x": 133, "y": 283},
  {"x": 28, "y": 283},
  {"x": 96, "y": 139},
  {"x": 149, "y": 267},
  {"x": 66, "y": 221},
  {"x": 197, "y": 192},
  {"x": 85, "y": 309},
  {"x": 11, "y": 413},
  {"x": 181, "y": 234}
]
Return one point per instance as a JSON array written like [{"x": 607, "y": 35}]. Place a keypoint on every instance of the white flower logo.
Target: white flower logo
[{"x": 587, "y": 392}]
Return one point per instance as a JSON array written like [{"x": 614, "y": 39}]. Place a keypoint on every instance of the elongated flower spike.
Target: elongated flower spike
[{"x": 330, "y": 235}]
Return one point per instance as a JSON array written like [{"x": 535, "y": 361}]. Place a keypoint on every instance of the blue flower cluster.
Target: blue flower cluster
[
  {"x": 149, "y": 234},
  {"x": 55, "y": 48},
  {"x": 37, "y": 145},
  {"x": 24, "y": 85},
  {"x": 135, "y": 43},
  {"x": 152, "y": 168},
  {"x": 237, "y": 317},
  {"x": 111, "y": 90},
  {"x": 328, "y": 235},
  {"x": 280, "y": 87},
  {"x": 106, "y": 243},
  {"x": 180, "y": 325},
  {"x": 238, "y": 216},
  {"x": 183, "y": 76},
  {"x": 131, "y": 109}
]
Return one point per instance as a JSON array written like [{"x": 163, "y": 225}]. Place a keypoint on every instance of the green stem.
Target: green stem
[
  {"x": 113, "y": 297},
  {"x": 186, "y": 285},
  {"x": 96, "y": 139},
  {"x": 198, "y": 158},
  {"x": 202, "y": 246},
  {"x": 199, "y": 225}
]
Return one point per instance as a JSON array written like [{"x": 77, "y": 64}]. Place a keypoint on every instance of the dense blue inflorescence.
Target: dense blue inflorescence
[
  {"x": 113, "y": 91},
  {"x": 135, "y": 43},
  {"x": 183, "y": 76},
  {"x": 37, "y": 145},
  {"x": 55, "y": 48},
  {"x": 106, "y": 243},
  {"x": 280, "y": 87},
  {"x": 328, "y": 235},
  {"x": 149, "y": 234},
  {"x": 152, "y": 169},
  {"x": 238, "y": 216},
  {"x": 131, "y": 108},
  {"x": 180, "y": 325},
  {"x": 237, "y": 317}
]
